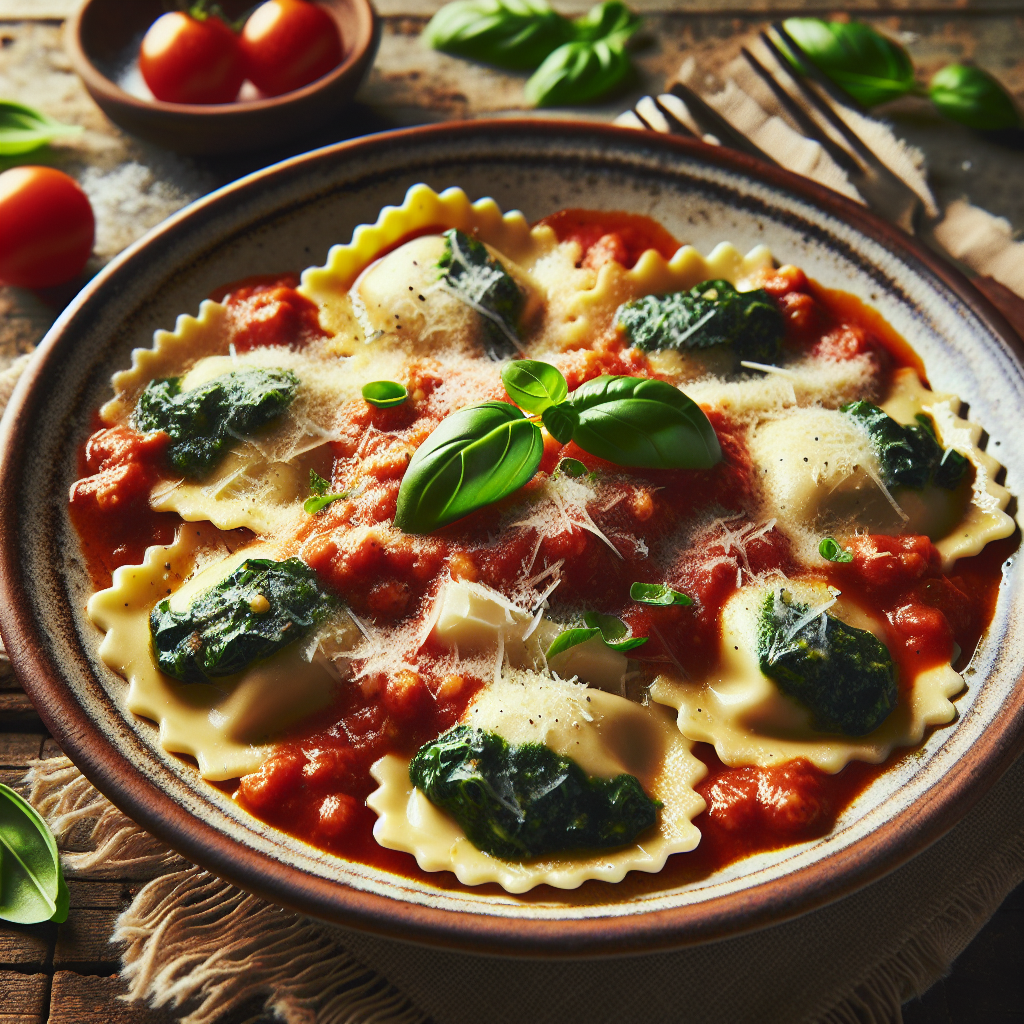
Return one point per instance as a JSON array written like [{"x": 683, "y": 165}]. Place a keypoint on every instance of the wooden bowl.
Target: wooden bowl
[
  {"x": 287, "y": 217},
  {"x": 102, "y": 40}
]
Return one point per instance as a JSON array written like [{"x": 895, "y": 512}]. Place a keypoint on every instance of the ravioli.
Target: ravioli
[
  {"x": 457, "y": 625},
  {"x": 604, "y": 733}
]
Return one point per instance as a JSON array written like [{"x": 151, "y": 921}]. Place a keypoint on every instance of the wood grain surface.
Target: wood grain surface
[{"x": 67, "y": 974}]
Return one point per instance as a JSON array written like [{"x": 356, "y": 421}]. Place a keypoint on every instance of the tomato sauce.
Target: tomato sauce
[{"x": 315, "y": 784}]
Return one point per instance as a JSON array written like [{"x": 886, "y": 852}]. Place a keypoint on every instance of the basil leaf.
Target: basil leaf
[
  {"x": 613, "y": 631},
  {"x": 658, "y": 594},
  {"x": 867, "y": 65},
  {"x": 830, "y": 549},
  {"x": 23, "y": 129},
  {"x": 473, "y": 275},
  {"x": 320, "y": 498},
  {"x": 561, "y": 421},
  {"x": 476, "y": 456},
  {"x": 259, "y": 609},
  {"x": 384, "y": 394},
  {"x": 317, "y": 484},
  {"x": 571, "y": 468},
  {"x": 570, "y": 638},
  {"x": 534, "y": 386},
  {"x": 973, "y": 97},
  {"x": 32, "y": 887},
  {"x": 579, "y": 72},
  {"x": 512, "y": 34},
  {"x": 634, "y": 421},
  {"x": 606, "y": 19}
]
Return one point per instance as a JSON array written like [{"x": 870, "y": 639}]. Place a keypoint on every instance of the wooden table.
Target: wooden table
[{"x": 67, "y": 974}]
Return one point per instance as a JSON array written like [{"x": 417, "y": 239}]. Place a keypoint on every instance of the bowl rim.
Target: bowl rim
[
  {"x": 99, "y": 84},
  {"x": 112, "y": 772}
]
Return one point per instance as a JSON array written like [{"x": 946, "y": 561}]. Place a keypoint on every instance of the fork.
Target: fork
[{"x": 681, "y": 111}]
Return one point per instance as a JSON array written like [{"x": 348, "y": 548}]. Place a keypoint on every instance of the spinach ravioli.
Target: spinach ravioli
[{"x": 498, "y": 546}]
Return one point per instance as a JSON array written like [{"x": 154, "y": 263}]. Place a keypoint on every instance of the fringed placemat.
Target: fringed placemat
[{"x": 198, "y": 944}]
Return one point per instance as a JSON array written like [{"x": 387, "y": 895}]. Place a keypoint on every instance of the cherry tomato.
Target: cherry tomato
[
  {"x": 191, "y": 60},
  {"x": 288, "y": 44},
  {"x": 46, "y": 227}
]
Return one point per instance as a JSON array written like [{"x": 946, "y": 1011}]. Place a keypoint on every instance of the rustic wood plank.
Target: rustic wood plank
[
  {"x": 25, "y": 945},
  {"x": 16, "y": 712},
  {"x": 17, "y": 748},
  {"x": 14, "y": 777},
  {"x": 81, "y": 999},
  {"x": 100, "y": 895},
  {"x": 50, "y": 749},
  {"x": 22, "y": 997},
  {"x": 84, "y": 938}
]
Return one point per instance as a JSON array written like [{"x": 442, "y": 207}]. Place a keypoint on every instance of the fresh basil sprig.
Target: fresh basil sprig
[
  {"x": 483, "y": 453},
  {"x": 512, "y": 34},
  {"x": 569, "y": 638},
  {"x": 870, "y": 67},
  {"x": 23, "y": 129},
  {"x": 831, "y": 550},
  {"x": 32, "y": 886},
  {"x": 659, "y": 594},
  {"x": 649, "y": 424},
  {"x": 973, "y": 97},
  {"x": 477, "y": 456},
  {"x": 613, "y": 631},
  {"x": 384, "y": 394}
]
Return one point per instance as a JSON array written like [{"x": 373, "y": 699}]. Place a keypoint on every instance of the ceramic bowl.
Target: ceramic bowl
[
  {"x": 102, "y": 38},
  {"x": 286, "y": 217}
]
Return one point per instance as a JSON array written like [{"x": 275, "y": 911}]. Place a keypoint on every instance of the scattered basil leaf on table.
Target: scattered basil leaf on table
[
  {"x": 23, "y": 129},
  {"x": 973, "y": 97},
  {"x": 258, "y": 610},
  {"x": 533, "y": 385},
  {"x": 569, "y": 638},
  {"x": 606, "y": 19},
  {"x": 32, "y": 886},
  {"x": 867, "y": 65},
  {"x": 384, "y": 394},
  {"x": 476, "y": 456},
  {"x": 320, "y": 497},
  {"x": 512, "y": 34},
  {"x": 474, "y": 276},
  {"x": 579, "y": 72},
  {"x": 658, "y": 594},
  {"x": 205, "y": 421},
  {"x": 830, "y": 549},
  {"x": 613, "y": 631},
  {"x": 649, "y": 424}
]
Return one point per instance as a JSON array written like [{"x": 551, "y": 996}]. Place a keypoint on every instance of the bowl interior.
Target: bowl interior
[{"x": 287, "y": 218}]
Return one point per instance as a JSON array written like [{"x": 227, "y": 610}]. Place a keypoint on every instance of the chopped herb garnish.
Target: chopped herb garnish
[
  {"x": 385, "y": 394},
  {"x": 320, "y": 499},
  {"x": 658, "y": 594},
  {"x": 830, "y": 549}
]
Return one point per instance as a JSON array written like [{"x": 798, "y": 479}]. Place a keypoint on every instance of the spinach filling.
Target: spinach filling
[
  {"x": 843, "y": 675},
  {"x": 256, "y": 611},
  {"x": 709, "y": 314},
  {"x": 473, "y": 275},
  {"x": 526, "y": 801},
  {"x": 909, "y": 456},
  {"x": 206, "y": 420}
]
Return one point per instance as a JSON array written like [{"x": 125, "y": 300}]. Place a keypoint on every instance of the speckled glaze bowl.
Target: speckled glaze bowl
[{"x": 286, "y": 217}]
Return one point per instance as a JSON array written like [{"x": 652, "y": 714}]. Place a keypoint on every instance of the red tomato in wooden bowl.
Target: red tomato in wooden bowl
[
  {"x": 288, "y": 44},
  {"x": 46, "y": 227},
  {"x": 185, "y": 59}
]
